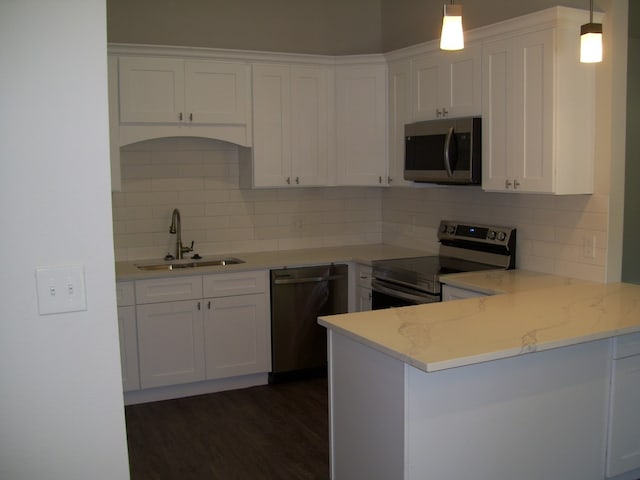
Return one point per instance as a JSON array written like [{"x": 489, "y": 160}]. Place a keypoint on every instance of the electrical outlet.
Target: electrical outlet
[
  {"x": 589, "y": 247},
  {"x": 60, "y": 289}
]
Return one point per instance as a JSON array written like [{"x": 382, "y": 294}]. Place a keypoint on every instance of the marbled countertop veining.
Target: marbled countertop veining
[{"x": 530, "y": 312}]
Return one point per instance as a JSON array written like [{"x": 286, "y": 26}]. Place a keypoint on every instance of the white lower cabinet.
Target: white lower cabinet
[
  {"x": 623, "y": 452},
  {"x": 171, "y": 343},
  {"x": 215, "y": 326},
  {"x": 364, "y": 293},
  {"x": 128, "y": 334},
  {"x": 236, "y": 331}
]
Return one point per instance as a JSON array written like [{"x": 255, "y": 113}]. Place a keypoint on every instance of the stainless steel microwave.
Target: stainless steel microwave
[{"x": 446, "y": 151}]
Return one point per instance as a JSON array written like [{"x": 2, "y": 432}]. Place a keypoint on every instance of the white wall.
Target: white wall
[
  {"x": 200, "y": 177},
  {"x": 61, "y": 408}
]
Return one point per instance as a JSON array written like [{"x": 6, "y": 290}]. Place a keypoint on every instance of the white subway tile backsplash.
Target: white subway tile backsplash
[
  {"x": 200, "y": 177},
  {"x": 551, "y": 229}
]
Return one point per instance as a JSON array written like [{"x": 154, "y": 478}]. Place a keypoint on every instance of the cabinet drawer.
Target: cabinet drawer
[
  {"x": 241, "y": 283},
  {"x": 125, "y": 294},
  {"x": 626, "y": 345},
  {"x": 168, "y": 289}
]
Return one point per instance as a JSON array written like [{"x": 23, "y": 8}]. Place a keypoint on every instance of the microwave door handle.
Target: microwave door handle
[{"x": 447, "y": 147}]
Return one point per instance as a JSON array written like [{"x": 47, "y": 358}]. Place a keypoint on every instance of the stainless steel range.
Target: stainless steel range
[{"x": 463, "y": 248}]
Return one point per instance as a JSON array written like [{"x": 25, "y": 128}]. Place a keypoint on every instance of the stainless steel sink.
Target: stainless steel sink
[{"x": 177, "y": 264}]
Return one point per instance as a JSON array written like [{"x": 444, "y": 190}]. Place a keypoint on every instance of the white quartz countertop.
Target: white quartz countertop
[
  {"x": 532, "y": 312},
  {"x": 364, "y": 254}
]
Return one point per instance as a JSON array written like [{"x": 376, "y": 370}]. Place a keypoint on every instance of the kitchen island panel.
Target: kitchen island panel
[
  {"x": 529, "y": 417},
  {"x": 366, "y": 408}
]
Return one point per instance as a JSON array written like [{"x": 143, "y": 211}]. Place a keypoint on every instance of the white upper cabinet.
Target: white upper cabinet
[
  {"x": 447, "y": 84},
  {"x": 173, "y": 90},
  {"x": 114, "y": 132},
  {"x": 360, "y": 124},
  {"x": 160, "y": 95},
  {"x": 400, "y": 112},
  {"x": 151, "y": 90},
  {"x": 538, "y": 114},
  {"x": 290, "y": 115}
]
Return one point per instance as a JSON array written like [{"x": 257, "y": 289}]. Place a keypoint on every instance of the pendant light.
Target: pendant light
[
  {"x": 452, "y": 37},
  {"x": 591, "y": 40}
]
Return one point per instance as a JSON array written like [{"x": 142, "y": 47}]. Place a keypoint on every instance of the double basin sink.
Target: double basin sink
[{"x": 190, "y": 263}]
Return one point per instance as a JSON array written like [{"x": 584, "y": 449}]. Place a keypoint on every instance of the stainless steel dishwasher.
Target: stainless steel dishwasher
[{"x": 298, "y": 297}]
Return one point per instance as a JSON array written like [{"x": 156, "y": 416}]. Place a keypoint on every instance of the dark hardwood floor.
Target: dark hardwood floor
[{"x": 269, "y": 432}]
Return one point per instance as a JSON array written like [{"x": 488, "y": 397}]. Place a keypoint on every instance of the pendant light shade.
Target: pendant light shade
[
  {"x": 452, "y": 37},
  {"x": 591, "y": 40}
]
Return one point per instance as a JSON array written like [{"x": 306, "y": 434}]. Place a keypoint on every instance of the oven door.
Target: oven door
[{"x": 388, "y": 294}]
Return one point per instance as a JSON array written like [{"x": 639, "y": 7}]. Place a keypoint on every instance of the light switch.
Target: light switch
[{"x": 61, "y": 289}]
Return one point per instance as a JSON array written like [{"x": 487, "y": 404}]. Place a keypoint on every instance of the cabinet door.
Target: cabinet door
[
  {"x": 428, "y": 82},
  {"x": 447, "y": 84},
  {"x": 236, "y": 331},
  {"x": 497, "y": 112},
  {"x": 360, "y": 133},
  {"x": 463, "y": 77},
  {"x": 151, "y": 89},
  {"x": 309, "y": 125},
  {"x": 216, "y": 92},
  {"x": 128, "y": 347},
  {"x": 271, "y": 126},
  {"x": 533, "y": 103},
  {"x": 399, "y": 114},
  {"x": 363, "y": 299},
  {"x": 170, "y": 342},
  {"x": 518, "y": 101},
  {"x": 623, "y": 453},
  {"x": 114, "y": 123}
]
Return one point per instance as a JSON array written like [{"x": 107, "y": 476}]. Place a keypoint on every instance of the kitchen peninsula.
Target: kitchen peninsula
[{"x": 539, "y": 382}]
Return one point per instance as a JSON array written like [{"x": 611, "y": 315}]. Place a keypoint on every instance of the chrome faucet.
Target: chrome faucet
[{"x": 176, "y": 228}]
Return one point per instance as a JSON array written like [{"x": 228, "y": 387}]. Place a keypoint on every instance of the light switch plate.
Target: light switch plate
[{"x": 61, "y": 289}]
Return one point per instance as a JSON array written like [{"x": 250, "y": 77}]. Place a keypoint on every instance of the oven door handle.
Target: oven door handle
[{"x": 377, "y": 286}]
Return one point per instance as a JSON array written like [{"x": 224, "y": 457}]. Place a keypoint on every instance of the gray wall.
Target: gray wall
[
  {"x": 631, "y": 237},
  {"x": 332, "y": 27}
]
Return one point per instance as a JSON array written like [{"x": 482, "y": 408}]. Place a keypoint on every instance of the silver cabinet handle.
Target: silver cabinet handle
[
  {"x": 507, "y": 184},
  {"x": 191, "y": 117},
  {"x": 438, "y": 112},
  {"x": 380, "y": 179},
  {"x": 180, "y": 116},
  {"x": 445, "y": 112},
  {"x": 198, "y": 305},
  {"x": 389, "y": 180},
  {"x": 516, "y": 183},
  {"x": 209, "y": 305},
  {"x": 297, "y": 180},
  {"x": 288, "y": 180}
]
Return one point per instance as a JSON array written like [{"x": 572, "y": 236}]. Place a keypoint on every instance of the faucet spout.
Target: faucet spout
[{"x": 176, "y": 228}]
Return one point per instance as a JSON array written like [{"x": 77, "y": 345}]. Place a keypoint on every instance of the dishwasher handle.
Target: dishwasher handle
[{"x": 293, "y": 281}]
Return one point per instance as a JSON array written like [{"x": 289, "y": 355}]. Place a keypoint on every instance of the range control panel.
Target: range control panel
[{"x": 451, "y": 232}]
